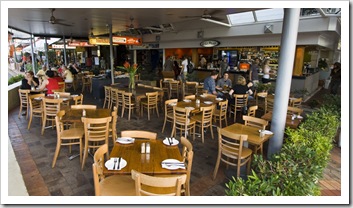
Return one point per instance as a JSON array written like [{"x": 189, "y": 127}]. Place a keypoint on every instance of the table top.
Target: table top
[
  {"x": 252, "y": 132},
  {"x": 192, "y": 103},
  {"x": 289, "y": 122},
  {"x": 74, "y": 115},
  {"x": 142, "y": 162}
]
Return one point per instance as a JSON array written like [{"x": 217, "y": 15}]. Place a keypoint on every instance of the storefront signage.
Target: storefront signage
[
  {"x": 81, "y": 44},
  {"x": 56, "y": 46},
  {"x": 117, "y": 40},
  {"x": 209, "y": 43}
]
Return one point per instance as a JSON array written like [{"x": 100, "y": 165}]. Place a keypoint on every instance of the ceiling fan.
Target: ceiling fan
[
  {"x": 52, "y": 20},
  {"x": 131, "y": 26},
  {"x": 209, "y": 17}
]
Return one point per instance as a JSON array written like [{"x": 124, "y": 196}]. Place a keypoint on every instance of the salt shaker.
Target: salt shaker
[
  {"x": 143, "y": 148},
  {"x": 262, "y": 133},
  {"x": 148, "y": 148},
  {"x": 84, "y": 113}
]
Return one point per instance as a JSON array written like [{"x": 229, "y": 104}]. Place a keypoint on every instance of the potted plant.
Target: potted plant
[{"x": 131, "y": 70}]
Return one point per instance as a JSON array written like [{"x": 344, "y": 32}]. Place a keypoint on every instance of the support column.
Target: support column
[
  {"x": 32, "y": 54},
  {"x": 111, "y": 53},
  {"x": 46, "y": 52},
  {"x": 65, "y": 58},
  {"x": 284, "y": 78}
]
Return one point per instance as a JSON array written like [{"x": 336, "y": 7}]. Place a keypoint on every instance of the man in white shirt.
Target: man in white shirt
[{"x": 184, "y": 69}]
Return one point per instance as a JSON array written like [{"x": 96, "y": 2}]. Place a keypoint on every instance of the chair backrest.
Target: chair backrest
[
  {"x": 90, "y": 107},
  {"x": 139, "y": 134},
  {"x": 114, "y": 94},
  {"x": 168, "y": 108},
  {"x": 23, "y": 94},
  {"x": 230, "y": 145},
  {"x": 62, "y": 86},
  {"x": 107, "y": 91},
  {"x": 296, "y": 102},
  {"x": 181, "y": 115},
  {"x": 255, "y": 122},
  {"x": 78, "y": 99},
  {"x": 97, "y": 167},
  {"x": 294, "y": 110},
  {"x": 33, "y": 104},
  {"x": 157, "y": 184},
  {"x": 191, "y": 88},
  {"x": 252, "y": 110},
  {"x": 190, "y": 97},
  {"x": 127, "y": 96},
  {"x": 96, "y": 131},
  {"x": 152, "y": 98},
  {"x": 223, "y": 106},
  {"x": 269, "y": 104},
  {"x": 207, "y": 113},
  {"x": 51, "y": 106},
  {"x": 59, "y": 124},
  {"x": 240, "y": 100},
  {"x": 120, "y": 97},
  {"x": 188, "y": 155},
  {"x": 174, "y": 87}
]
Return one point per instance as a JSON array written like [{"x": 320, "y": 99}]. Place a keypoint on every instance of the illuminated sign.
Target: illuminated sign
[
  {"x": 117, "y": 40},
  {"x": 209, "y": 43},
  {"x": 55, "y": 46},
  {"x": 81, "y": 44}
]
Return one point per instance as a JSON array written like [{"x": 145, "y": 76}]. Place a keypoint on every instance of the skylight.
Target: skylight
[
  {"x": 241, "y": 18},
  {"x": 269, "y": 14}
]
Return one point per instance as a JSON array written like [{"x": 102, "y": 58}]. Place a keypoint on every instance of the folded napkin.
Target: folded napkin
[
  {"x": 173, "y": 165},
  {"x": 207, "y": 102},
  {"x": 267, "y": 132},
  {"x": 219, "y": 98},
  {"x": 299, "y": 117},
  {"x": 187, "y": 101},
  {"x": 125, "y": 140},
  {"x": 109, "y": 164}
]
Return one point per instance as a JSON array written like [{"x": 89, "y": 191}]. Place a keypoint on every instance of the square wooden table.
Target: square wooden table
[
  {"x": 252, "y": 132},
  {"x": 289, "y": 122},
  {"x": 74, "y": 115},
  {"x": 146, "y": 163}
]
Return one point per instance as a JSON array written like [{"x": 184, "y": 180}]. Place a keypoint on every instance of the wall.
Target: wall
[{"x": 13, "y": 97}]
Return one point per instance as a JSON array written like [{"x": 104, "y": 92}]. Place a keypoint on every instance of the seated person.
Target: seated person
[
  {"x": 67, "y": 75},
  {"x": 224, "y": 82},
  {"x": 29, "y": 81},
  {"x": 210, "y": 84},
  {"x": 47, "y": 81},
  {"x": 56, "y": 75},
  {"x": 240, "y": 87}
]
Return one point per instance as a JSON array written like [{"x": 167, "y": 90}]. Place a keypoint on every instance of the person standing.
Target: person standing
[
  {"x": 254, "y": 76},
  {"x": 176, "y": 69},
  {"x": 266, "y": 69},
  {"x": 29, "y": 81},
  {"x": 210, "y": 83},
  {"x": 203, "y": 61},
  {"x": 335, "y": 78},
  {"x": 224, "y": 65},
  {"x": 168, "y": 65},
  {"x": 184, "y": 69},
  {"x": 102, "y": 63}
]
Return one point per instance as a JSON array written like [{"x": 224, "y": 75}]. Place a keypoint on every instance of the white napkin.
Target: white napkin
[
  {"x": 110, "y": 163},
  {"x": 267, "y": 132},
  {"x": 125, "y": 140},
  {"x": 187, "y": 101},
  {"x": 173, "y": 165},
  {"x": 299, "y": 117},
  {"x": 219, "y": 98}
]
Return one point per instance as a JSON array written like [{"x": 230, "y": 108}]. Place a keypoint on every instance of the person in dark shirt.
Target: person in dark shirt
[
  {"x": 240, "y": 87},
  {"x": 335, "y": 78},
  {"x": 29, "y": 81}
]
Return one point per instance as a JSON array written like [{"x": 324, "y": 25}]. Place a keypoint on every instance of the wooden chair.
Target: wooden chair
[
  {"x": 87, "y": 83},
  {"x": 89, "y": 107},
  {"x": 78, "y": 100},
  {"x": 221, "y": 113},
  {"x": 107, "y": 186},
  {"x": 297, "y": 102},
  {"x": 62, "y": 86},
  {"x": 127, "y": 104},
  {"x": 190, "y": 88},
  {"x": 190, "y": 97},
  {"x": 120, "y": 98},
  {"x": 50, "y": 108},
  {"x": 294, "y": 110},
  {"x": 112, "y": 125},
  {"x": 262, "y": 97},
  {"x": 188, "y": 155},
  {"x": 107, "y": 90},
  {"x": 168, "y": 112},
  {"x": 182, "y": 122},
  {"x": 150, "y": 104},
  {"x": 35, "y": 108},
  {"x": 252, "y": 110},
  {"x": 23, "y": 94},
  {"x": 173, "y": 89},
  {"x": 199, "y": 89},
  {"x": 146, "y": 185},
  {"x": 63, "y": 94},
  {"x": 231, "y": 151},
  {"x": 72, "y": 136},
  {"x": 204, "y": 120},
  {"x": 269, "y": 104},
  {"x": 113, "y": 98},
  {"x": 96, "y": 134},
  {"x": 241, "y": 100},
  {"x": 259, "y": 123},
  {"x": 139, "y": 134}
]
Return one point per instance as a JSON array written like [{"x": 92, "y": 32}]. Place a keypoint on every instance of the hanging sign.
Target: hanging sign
[
  {"x": 209, "y": 43},
  {"x": 117, "y": 40}
]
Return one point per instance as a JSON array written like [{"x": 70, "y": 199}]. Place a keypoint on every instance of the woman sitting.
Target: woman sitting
[
  {"x": 46, "y": 80},
  {"x": 67, "y": 75},
  {"x": 240, "y": 87}
]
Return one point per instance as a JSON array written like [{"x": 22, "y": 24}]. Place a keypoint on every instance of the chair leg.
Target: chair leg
[
  {"x": 56, "y": 154},
  {"x": 122, "y": 112},
  {"x": 148, "y": 109},
  {"x": 85, "y": 154},
  {"x": 43, "y": 125},
  {"x": 249, "y": 165},
  {"x": 217, "y": 166},
  {"x": 30, "y": 121},
  {"x": 212, "y": 131},
  {"x": 165, "y": 121},
  {"x": 157, "y": 110}
]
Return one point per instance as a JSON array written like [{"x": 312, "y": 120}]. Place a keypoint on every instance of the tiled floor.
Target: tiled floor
[{"x": 35, "y": 153}]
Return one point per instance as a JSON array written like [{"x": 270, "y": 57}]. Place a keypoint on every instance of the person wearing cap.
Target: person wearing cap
[{"x": 47, "y": 81}]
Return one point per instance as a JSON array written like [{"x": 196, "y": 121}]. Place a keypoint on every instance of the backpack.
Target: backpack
[{"x": 190, "y": 67}]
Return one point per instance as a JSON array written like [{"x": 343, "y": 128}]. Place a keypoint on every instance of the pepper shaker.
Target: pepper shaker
[
  {"x": 148, "y": 148},
  {"x": 143, "y": 148},
  {"x": 84, "y": 113}
]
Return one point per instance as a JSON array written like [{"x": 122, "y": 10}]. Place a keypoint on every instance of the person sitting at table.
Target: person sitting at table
[
  {"x": 29, "y": 81},
  {"x": 67, "y": 75},
  {"x": 56, "y": 75},
  {"x": 47, "y": 81},
  {"x": 240, "y": 87},
  {"x": 210, "y": 84},
  {"x": 224, "y": 82}
]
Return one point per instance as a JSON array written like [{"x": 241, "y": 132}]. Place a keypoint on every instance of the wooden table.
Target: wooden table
[
  {"x": 192, "y": 103},
  {"x": 142, "y": 162},
  {"x": 74, "y": 115},
  {"x": 252, "y": 132},
  {"x": 289, "y": 122}
]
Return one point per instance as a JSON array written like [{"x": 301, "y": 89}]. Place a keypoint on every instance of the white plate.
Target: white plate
[
  {"x": 219, "y": 99},
  {"x": 109, "y": 164},
  {"x": 125, "y": 140},
  {"x": 38, "y": 98},
  {"x": 187, "y": 101},
  {"x": 203, "y": 96},
  {"x": 174, "y": 142},
  {"x": 267, "y": 132},
  {"x": 191, "y": 108},
  {"x": 207, "y": 102},
  {"x": 172, "y": 167}
]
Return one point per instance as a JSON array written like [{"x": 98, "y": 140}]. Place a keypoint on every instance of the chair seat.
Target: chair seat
[
  {"x": 197, "y": 117},
  {"x": 118, "y": 185},
  {"x": 216, "y": 112},
  {"x": 170, "y": 115},
  {"x": 245, "y": 153},
  {"x": 72, "y": 133}
]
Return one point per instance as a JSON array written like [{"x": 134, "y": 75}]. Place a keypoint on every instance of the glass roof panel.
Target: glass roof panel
[
  {"x": 240, "y": 18},
  {"x": 269, "y": 14}
]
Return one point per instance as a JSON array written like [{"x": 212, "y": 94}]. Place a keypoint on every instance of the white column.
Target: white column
[
  {"x": 46, "y": 51},
  {"x": 284, "y": 78},
  {"x": 32, "y": 54},
  {"x": 65, "y": 58},
  {"x": 111, "y": 53}
]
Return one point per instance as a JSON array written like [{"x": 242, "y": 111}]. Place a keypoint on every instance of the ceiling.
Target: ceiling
[{"x": 82, "y": 20}]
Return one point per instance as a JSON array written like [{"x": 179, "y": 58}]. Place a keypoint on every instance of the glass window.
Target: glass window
[
  {"x": 269, "y": 14},
  {"x": 240, "y": 18}
]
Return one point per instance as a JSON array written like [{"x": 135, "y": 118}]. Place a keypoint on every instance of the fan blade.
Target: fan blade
[
  {"x": 217, "y": 19},
  {"x": 58, "y": 23},
  {"x": 36, "y": 20}
]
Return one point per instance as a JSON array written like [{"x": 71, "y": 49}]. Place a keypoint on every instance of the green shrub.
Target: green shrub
[
  {"x": 296, "y": 169},
  {"x": 15, "y": 79}
]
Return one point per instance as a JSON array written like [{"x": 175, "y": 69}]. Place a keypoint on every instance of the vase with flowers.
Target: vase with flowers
[{"x": 131, "y": 70}]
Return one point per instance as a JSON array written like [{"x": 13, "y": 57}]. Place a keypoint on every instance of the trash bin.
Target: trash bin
[{"x": 327, "y": 83}]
